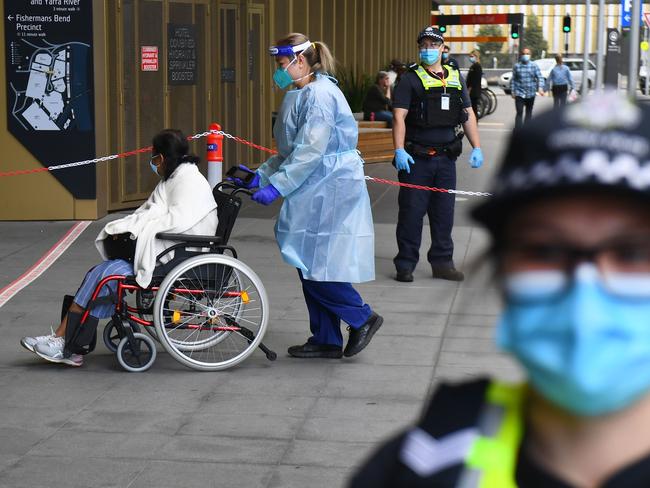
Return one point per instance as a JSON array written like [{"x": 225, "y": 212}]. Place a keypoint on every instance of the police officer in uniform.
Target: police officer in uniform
[
  {"x": 430, "y": 105},
  {"x": 570, "y": 246}
]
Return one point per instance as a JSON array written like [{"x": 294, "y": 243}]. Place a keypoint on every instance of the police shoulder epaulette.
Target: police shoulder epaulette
[{"x": 413, "y": 66}]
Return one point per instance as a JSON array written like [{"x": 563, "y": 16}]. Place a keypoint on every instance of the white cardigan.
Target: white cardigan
[{"x": 183, "y": 204}]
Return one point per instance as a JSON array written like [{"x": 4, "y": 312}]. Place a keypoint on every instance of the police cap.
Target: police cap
[
  {"x": 431, "y": 32},
  {"x": 601, "y": 143}
]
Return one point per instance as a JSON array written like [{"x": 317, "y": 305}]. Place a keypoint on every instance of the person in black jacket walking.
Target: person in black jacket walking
[{"x": 474, "y": 77}]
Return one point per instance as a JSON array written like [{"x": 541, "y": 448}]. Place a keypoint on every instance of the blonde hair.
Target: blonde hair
[
  {"x": 476, "y": 54},
  {"x": 318, "y": 55}
]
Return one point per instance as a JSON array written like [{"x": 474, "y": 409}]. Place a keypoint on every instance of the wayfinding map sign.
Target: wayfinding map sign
[{"x": 49, "y": 63}]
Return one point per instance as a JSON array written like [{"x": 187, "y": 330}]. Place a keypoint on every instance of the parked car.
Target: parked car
[{"x": 547, "y": 64}]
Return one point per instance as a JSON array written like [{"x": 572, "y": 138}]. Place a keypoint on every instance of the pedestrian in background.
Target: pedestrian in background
[
  {"x": 377, "y": 104},
  {"x": 474, "y": 78},
  {"x": 430, "y": 105},
  {"x": 526, "y": 82},
  {"x": 447, "y": 59},
  {"x": 570, "y": 247},
  {"x": 395, "y": 69},
  {"x": 560, "y": 81}
]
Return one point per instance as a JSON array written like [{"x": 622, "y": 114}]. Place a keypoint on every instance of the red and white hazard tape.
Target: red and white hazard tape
[
  {"x": 236, "y": 139},
  {"x": 429, "y": 188},
  {"x": 47, "y": 260}
]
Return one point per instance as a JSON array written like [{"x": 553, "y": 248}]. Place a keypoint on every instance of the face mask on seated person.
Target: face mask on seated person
[{"x": 153, "y": 167}]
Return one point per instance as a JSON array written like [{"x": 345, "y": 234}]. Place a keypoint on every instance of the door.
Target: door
[
  {"x": 172, "y": 92},
  {"x": 257, "y": 84}
]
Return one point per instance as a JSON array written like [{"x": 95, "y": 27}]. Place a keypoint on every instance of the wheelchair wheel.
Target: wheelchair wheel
[
  {"x": 211, "y": 312},
  {"x": 112, "y": 337},
  {"x": 137, "y": 355}
]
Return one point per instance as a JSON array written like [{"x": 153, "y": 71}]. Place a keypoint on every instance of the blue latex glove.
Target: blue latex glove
[
  {"x": 254, "y": 183},
  {"x": 476, "y": 159},
  {"x": 403, "y": 160},
  {"x": 266, "y": 195}
]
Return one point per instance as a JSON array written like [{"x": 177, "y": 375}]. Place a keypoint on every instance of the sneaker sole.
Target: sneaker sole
[
  {"x": 66, "y": 361},
  {"x": 371, "y": 334},
  {"x": 27, "y": 346}
]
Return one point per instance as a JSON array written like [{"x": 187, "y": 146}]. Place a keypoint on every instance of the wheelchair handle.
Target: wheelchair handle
[{"x": 231, "y": 186}]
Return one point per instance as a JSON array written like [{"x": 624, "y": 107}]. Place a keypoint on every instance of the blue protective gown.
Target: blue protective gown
[{"x": 325, "y": 225}]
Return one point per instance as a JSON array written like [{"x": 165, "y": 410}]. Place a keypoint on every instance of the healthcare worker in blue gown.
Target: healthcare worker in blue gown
[{"x": 325, "y": 225}]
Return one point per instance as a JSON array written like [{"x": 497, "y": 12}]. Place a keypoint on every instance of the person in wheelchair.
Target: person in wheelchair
[
  {"x": 181, "y": 203},
  {"x": 325, "y": 227}
]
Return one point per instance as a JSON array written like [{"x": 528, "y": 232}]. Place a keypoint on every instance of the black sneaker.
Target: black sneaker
[
  {"x": 308, "y": 350},
  {"x": 404, "y": 276},
  {"x": 447, "y": 273},
  {"x": 360, "y": 338}
]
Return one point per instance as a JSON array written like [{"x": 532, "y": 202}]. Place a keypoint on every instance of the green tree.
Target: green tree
[
  {"x": 490, "y": 48},
  {"x": 534, "y": 37}
]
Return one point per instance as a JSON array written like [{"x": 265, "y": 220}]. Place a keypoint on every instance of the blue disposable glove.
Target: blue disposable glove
[
  {"x": 476, "y": 159},
  {"x": 254, "y": 183},
  {"x": 266, "y": 195},
  {"x": 403, "y": 160}
]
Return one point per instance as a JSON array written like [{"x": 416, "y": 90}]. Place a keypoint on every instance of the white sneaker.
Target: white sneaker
[
  {"x": 30, "y": 342},
  {"x": 52, "y": 350}
]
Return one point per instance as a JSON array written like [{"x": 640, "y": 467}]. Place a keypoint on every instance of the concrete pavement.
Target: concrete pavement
[{"x": 291, "y": 423}]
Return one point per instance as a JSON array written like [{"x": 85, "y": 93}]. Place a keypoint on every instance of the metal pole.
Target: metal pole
[
  {"x": 647, "y": 65},
  {"x": 600, "y": 45},
  {"x": 633, "y": 72},
  {"x": 587, "y": 46}
]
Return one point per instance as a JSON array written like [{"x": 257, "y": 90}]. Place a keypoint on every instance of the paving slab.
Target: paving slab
[{"x": 288, "y": 423}]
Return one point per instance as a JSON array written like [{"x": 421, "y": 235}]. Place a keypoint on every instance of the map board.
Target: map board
[{"x": 50, "y": 85}]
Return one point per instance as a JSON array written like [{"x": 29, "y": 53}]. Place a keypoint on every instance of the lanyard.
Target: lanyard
[{"x": 442, "y": 80}]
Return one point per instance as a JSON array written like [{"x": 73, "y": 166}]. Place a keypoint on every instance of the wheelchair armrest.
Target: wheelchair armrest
[{"x": 189, "y": 238}]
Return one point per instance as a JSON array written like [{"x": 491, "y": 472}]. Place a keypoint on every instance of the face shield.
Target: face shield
[{"x": 281, "y": 76}]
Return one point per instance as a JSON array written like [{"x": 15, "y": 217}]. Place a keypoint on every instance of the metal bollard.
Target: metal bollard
[{"x": 215, "y": 156}]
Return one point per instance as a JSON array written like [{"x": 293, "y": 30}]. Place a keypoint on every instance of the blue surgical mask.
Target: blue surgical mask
[
  {"x": 154, "y": 168},
  {"x": 429, "y": 56},
  {"x": 472, "y": 59},
  {"x": 587, "y": 351},
  {"x": 282, "y": 78},
  {"x": 445, "y": 56},
  {"x": 525, "y": 58}
]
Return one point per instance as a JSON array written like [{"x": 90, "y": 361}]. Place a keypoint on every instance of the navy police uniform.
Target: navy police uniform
[{"x": 432, "y": 141}]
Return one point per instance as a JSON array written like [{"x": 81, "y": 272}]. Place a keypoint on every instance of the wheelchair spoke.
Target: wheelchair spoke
[{"x": 200, "y": 306}]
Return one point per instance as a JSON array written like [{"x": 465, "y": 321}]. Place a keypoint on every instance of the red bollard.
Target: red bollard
[{"x": 215, "y": 155}]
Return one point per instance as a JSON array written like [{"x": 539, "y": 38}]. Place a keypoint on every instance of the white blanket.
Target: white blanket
[{"x": 183, "y": 205}]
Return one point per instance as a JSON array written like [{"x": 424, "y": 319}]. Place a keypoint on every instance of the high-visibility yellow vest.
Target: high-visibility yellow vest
[
  {"x": 427, "y": 111},
  {"x": 487, "y": 450},
  {"x": 492, "y": 459},
  {"x": 452, "y": 82}
]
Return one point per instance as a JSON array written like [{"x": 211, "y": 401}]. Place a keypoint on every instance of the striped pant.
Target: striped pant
[{"x": 92, "y": 279}]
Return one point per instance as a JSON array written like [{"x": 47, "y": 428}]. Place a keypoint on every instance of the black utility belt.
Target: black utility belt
[
  {"x": 420, "y": 150},
  {"x": 451, "y": 149}
]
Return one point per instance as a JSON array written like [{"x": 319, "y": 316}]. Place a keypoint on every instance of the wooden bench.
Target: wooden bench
[
  {"x": 372, "y": 124},
  {"x": 375, "y": 144}
]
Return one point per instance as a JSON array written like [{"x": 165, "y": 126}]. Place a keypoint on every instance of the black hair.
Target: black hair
[{"x": 172, "y": 145}]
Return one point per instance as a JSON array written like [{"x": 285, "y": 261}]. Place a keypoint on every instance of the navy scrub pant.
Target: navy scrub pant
[
  {"x": 439, "y": 172},
  {"x": 329, "y": 302}
]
